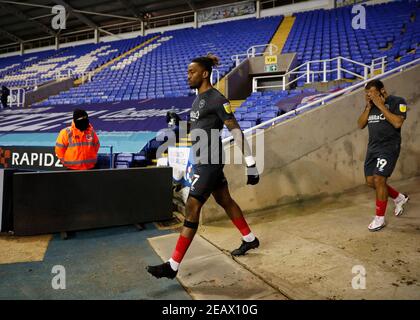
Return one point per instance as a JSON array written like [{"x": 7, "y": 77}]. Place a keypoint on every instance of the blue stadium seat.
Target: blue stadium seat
[{"x": 250, "y": 116}]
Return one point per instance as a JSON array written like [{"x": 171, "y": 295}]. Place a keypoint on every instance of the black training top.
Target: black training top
[
  {"x": 208, "y": 113},
  {"x": 382, "y": 134}
]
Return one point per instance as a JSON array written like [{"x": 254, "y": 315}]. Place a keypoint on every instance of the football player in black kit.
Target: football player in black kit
[
  {"x": 210, "y": 111},
  {"x": 384, "y": 115}
]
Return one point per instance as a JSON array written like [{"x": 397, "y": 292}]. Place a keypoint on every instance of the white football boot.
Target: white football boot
[
  {"x": 400, "y": 201},
  {"x": 377, "y": 224}
]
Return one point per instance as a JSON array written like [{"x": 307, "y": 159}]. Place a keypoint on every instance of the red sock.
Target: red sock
[
  {"x": 381, "y": 207},
  {"x": 241, "y": 224},
  {"x": 392, "y": 192},
  {"x": 181, "y": 248}
]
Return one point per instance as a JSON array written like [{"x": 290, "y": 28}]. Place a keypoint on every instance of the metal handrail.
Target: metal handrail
[
  {"x": 217, "y": 72},
  {"x": 353, "y": 61},
  {"x": 69, "y": 73},
  {"x": 252, "y": 54},
  {"x": 28, "y": 81},
  {"x": 308, "y": 72},
  {"x": 59, "y": 74},
  {"x": 376, "y": 61},
  {"x": 18, "y": 98},
  {"x": 269, "y": 45},
  {"x": 85, "y": 74},
  {"x": 238, "y": 55},
  {"x": 322, "y": 100},
  {"x": 354, "y": 74}
]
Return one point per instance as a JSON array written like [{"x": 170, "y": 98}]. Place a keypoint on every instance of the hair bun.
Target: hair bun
[{"x": 214, "y": 59}]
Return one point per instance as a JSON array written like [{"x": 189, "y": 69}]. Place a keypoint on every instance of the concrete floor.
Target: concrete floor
[
  {"x": 308, "y": 250},
  {"x": 207, "y": 273},
  {"x": 99, "y": 264}
]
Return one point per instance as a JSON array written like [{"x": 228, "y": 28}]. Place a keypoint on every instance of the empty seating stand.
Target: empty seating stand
[
  {"x": 326, "y": 34},
  {"x": 158, "y": 69},
  {"x": 260, "y": 107}
]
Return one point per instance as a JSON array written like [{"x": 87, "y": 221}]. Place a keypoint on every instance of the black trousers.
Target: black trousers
[{"x": 4, "y": 103}]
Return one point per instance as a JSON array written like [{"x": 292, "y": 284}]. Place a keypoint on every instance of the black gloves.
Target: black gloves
[{"x": 253, "y": 175}]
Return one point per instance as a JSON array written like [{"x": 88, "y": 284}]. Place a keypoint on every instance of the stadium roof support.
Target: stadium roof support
[
  {"x": 81, "y": 17},
  {"x": 130, "y": 7},
  {"x": 10, "y": 35},
  {"x": 19, "y": 14},
  {"x": 192, "y": 6},
  {"x": 78, "y": 15}
]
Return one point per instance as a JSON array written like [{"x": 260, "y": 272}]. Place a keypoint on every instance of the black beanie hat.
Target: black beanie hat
[
  {"x": 172, "y": 115},
  {"x": 79, "y": 113}
]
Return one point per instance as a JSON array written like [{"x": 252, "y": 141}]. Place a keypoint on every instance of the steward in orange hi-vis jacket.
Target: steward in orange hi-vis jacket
[{"x": 77, "y": 146}]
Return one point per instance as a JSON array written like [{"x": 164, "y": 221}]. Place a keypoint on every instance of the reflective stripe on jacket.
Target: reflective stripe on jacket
[{"x": 77, "y": 150}]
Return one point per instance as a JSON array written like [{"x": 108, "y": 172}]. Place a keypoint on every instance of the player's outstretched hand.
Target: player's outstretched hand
[{"x": 253, "y": 175}]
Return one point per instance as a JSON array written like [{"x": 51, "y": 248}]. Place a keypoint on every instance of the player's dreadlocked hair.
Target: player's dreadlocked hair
[{"x": 208, "y": 62}]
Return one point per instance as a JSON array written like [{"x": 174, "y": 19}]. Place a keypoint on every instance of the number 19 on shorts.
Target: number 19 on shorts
[{"x": 381, "y": 164}]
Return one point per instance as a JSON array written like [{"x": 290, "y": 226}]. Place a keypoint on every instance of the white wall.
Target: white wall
[
  {"x": 40, "y": 49},
  {"x": 16, "y": 53},
  {"x": 288, "y": 10},
  {"x": 121, "y": 36},
  {"x": 62, "y": 45},
  {"x": 307, "y": 6},
  {"x": 78, "y": 43},
  {"x": 247, "y": 16},
  {"x": 372, "y": 2},
  {"x": 170, "y": 28}
]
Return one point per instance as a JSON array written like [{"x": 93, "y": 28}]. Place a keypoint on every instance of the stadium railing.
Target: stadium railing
[{"x": 324, "y": 99}]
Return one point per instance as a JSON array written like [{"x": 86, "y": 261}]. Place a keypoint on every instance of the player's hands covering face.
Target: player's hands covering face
[{"x": 377, "y": 98}]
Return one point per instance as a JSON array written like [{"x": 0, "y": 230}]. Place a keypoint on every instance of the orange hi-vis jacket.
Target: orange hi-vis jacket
[{"x": 77, "y": 150}]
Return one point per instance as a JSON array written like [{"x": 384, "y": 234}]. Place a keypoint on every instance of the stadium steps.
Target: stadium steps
[
  {"x": 122, "y": 56},
  {"x": 221, "y": 85},
  {"x": 389, "y": 46},
  {"x": 280, "y": 37},
  {"x": 235, "y": 104}
]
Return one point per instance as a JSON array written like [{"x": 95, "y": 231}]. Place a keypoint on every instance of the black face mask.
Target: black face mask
[{"x": 82, "y": 124}]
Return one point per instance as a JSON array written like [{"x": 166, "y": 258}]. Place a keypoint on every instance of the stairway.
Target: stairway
[
  {"x": 122, "y": 56},
  {"x": 236, "y": 104},
  {"x": 279, "y": 39},
  {"x": 221, "y": 86},
  {"x": 282, "y": 33}
]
